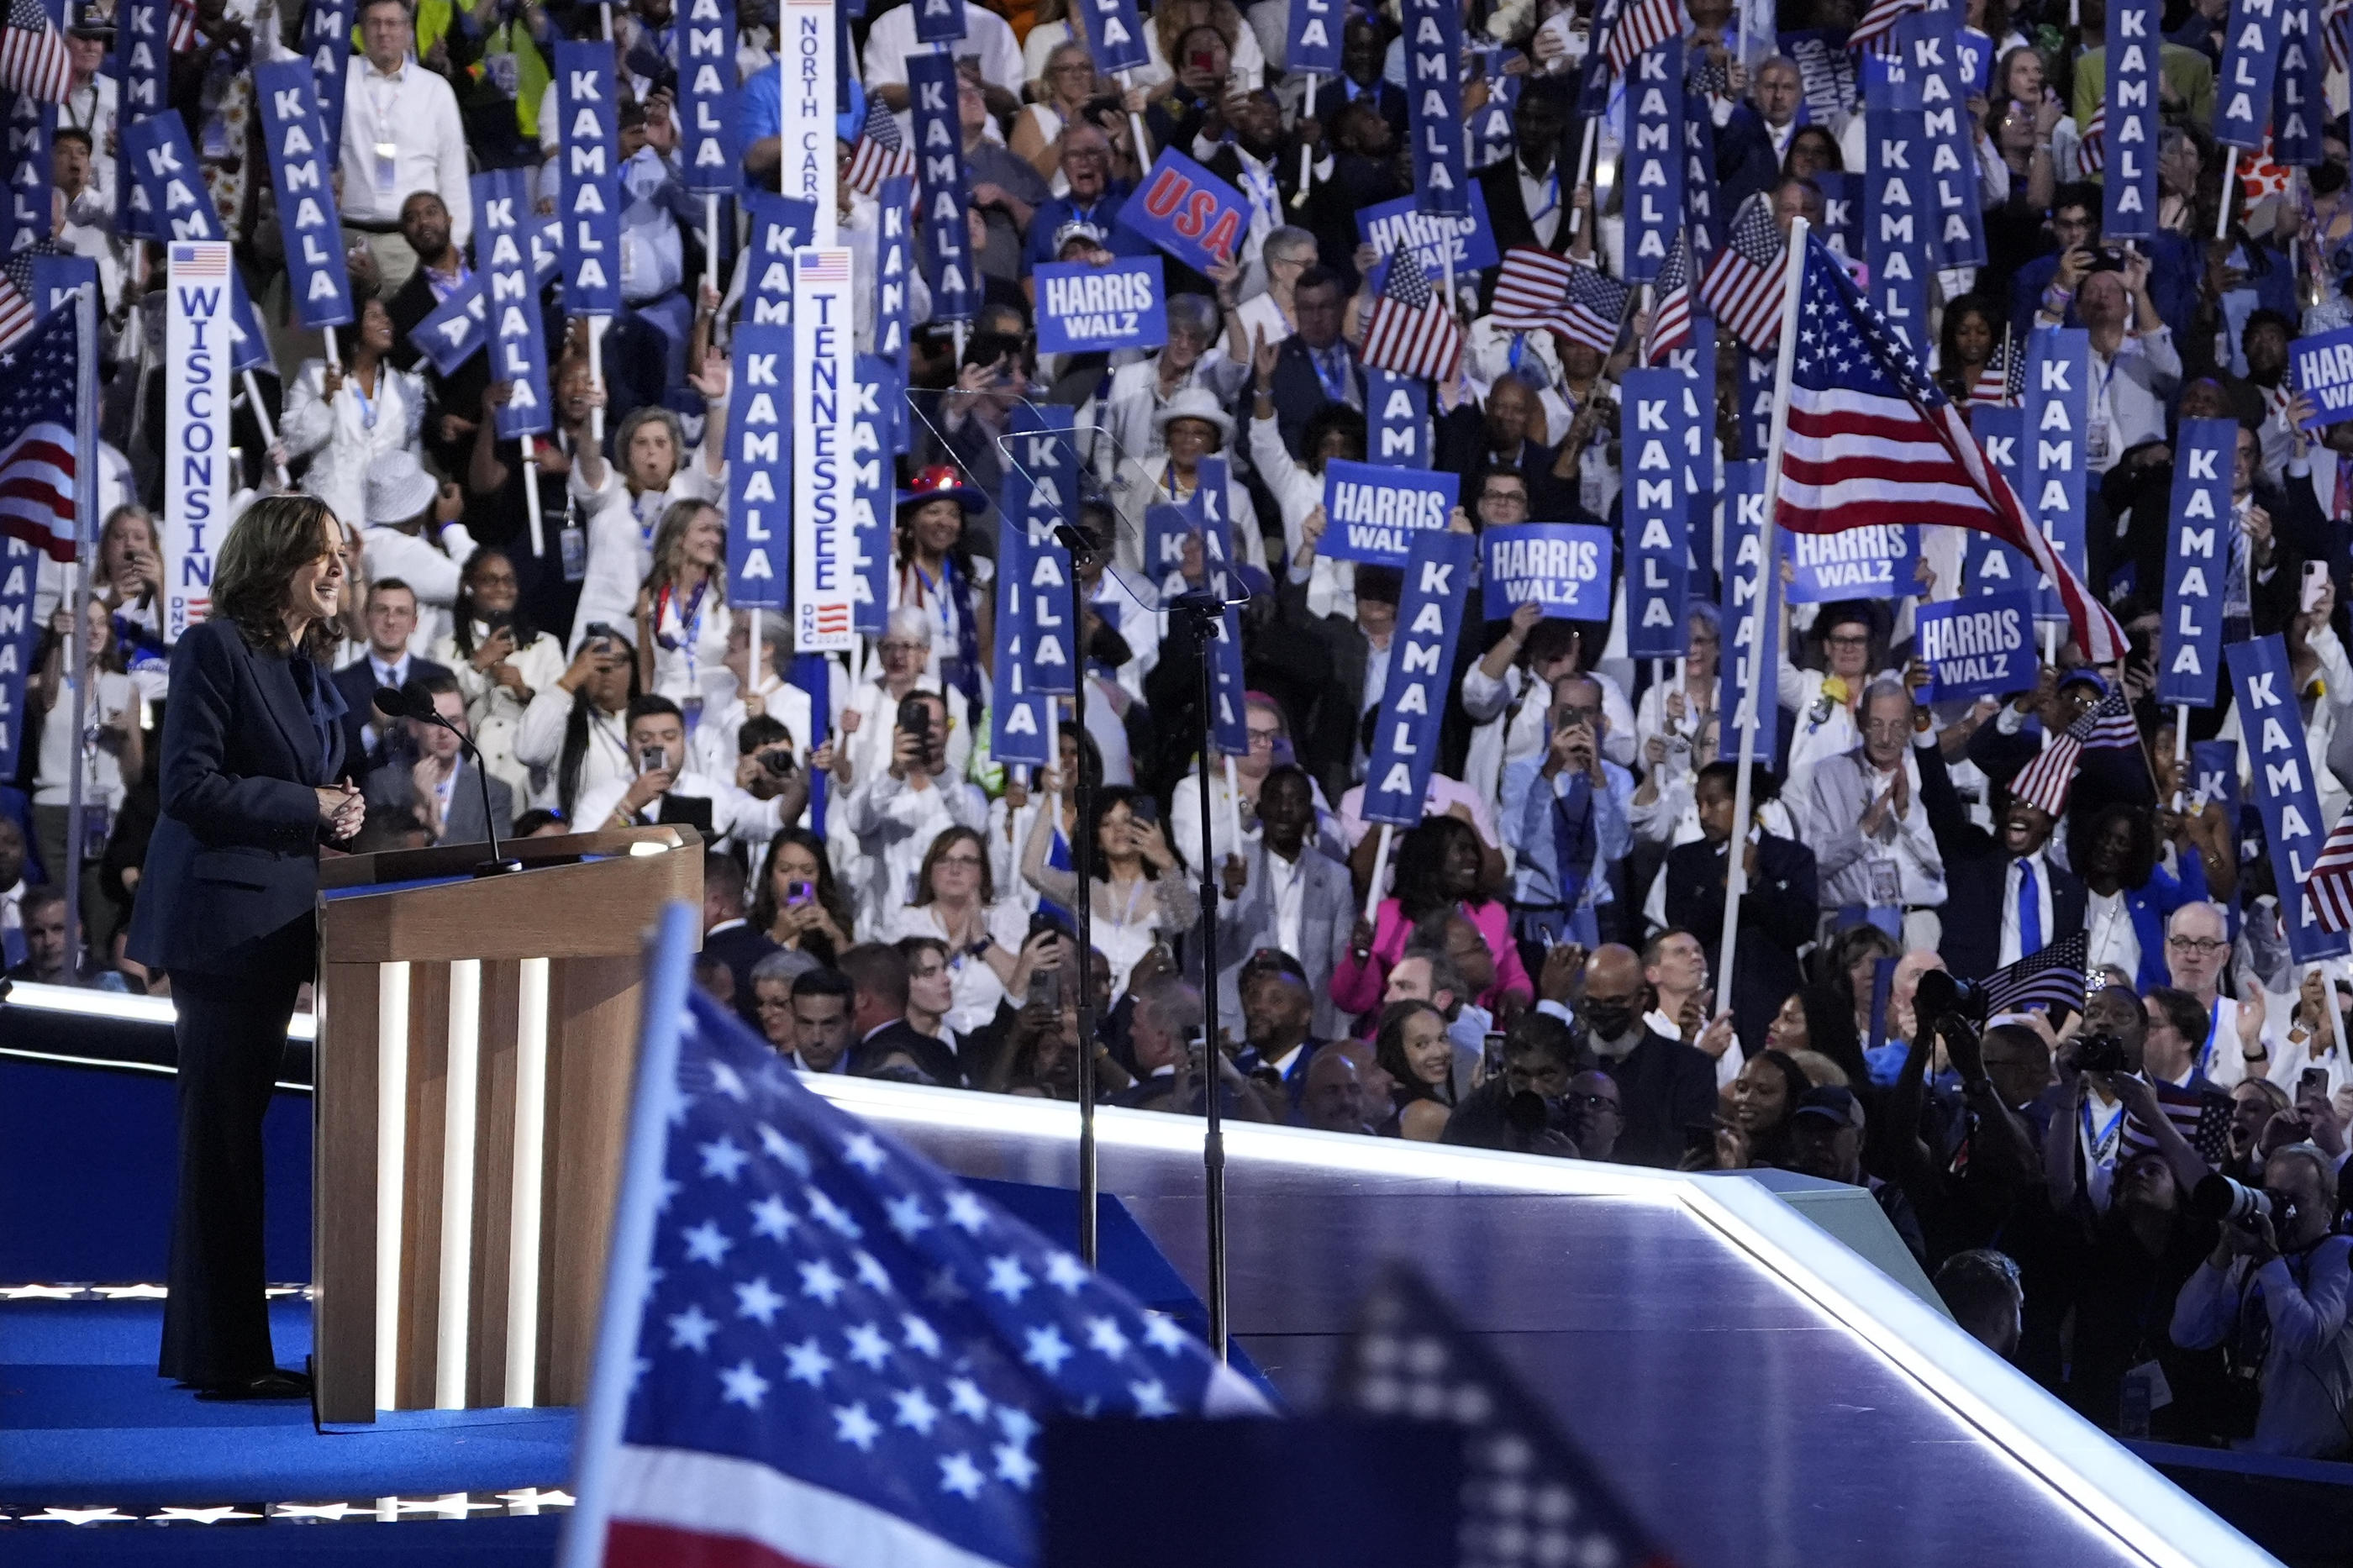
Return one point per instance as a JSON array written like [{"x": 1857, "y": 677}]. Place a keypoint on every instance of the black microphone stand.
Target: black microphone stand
[
  {"x": 1082, "y": 858},
  {"x": 419, "y": 706},
  {"x": 1205, "y": 612}
]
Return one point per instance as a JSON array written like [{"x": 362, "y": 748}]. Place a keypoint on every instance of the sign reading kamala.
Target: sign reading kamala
[
  {"x": 2279, "y": 765},
  {"x": 1979, "y": 647},
  {"x": 302, "y": 161},
  {"x": 2205, "y": 452},
  {"x": 1187, "y": 212},
  {"x": 1083, "y": 308},
  {"x": 1876, "y": 562},
  {"x": 1372, "y": 513},
  {"x": 589, "y": 188},
  {"x": 2323, "y": 367},
  {"x": 759, "y": 454},
  {"x": 1564, "y": 566},
  {"x": 1421, "y": 676},
  {"x": 1391, "y": 225}
]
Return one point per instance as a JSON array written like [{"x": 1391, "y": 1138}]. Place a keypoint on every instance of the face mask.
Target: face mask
[
  {"x": 1608, "y": 1020},
  {"x": 2327, "y": 179}
]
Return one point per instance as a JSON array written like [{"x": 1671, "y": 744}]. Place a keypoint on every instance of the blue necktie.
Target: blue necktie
[
  {"x": 1572, "y": 838},
  {"x": 2030, "y": 913}
]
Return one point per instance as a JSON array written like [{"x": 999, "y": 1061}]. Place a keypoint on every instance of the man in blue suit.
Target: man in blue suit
[{"x": 371, "y": 740}]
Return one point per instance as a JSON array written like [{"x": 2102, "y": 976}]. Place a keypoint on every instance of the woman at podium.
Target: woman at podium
[{"x": 252, "y": 780}]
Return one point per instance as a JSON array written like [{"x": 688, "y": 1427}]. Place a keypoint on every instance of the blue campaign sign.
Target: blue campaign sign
[
  {"x": 1491, "y": 138},
  {"x": 1041, "y": 490},
  {"x": 1890, "y": 80},
  {"x": 2058, "y": 437},
  {"x": 1875, "y": 561},
  {"x": 1988, "y": 565},
  {"x": 1654, "y": 160},
  {"x": 1433, "y": 101},
  {"x": 1020, "y": 722},
  {"x": 1372, "y": 513},
  {"x": 2215, "y": 776},
  {"x": 1228, "y": 729},
  {"x": 1952, "y": 134},
  {"x": 2297, "y": 109},
  {"x": 780, "y": 225},
  {"x": 894, "y": 268},
  {"x": 1115, "y": 35},
  {"x": 1313, "y": 43},
  {"x": 1751, "y": 614},
  {"x": 1841, "y": 213},
  {"x": 1390, "y": 224},
  {"x": 2271, "y": 733},
  {"x": 20, "y": 574},
  {"x": 142, "y": 65},
  {"x": 588, "y": 158},
  {"x": 1167, "y": 529},
  {"x": 872, "y": 414},
  {"x": 939, "y": 162},
  {"x": 1211, "y": 507},
  {"x": 2197, "y": 555},
  {"x": 1564, "y": 566},
  {"x": 517, "y": 340},
  {"x": 1084, "y": 309},
  {"x": 31, "y": 125},
  {"x": 1982, "y": 645},
  {"x": 1422, "y": 671},
  {"x": 302, "y": 162},
  {"x": 452, "y": 332},
  {"x": 1826, "y": 84},
  {"x": 2242, "y": 91},
  {"x": 707, "y": 160},
  {"x": 1896, "y": 245},
  {"x": 1755, "y": 402},
  {"x": 1659, "y": 439},
  {"x": 759, "y": 468},
  {"x": 938, "y": 21},
  {"x": 1399, "y": 407},
  {"x": 1187, "y": 211},
  {"x": 54, "y": 278},
  {"x": 167, "y": 190},
  {"x": 2128, "y": 206},
  {"x": 327, "y": 44},
  {"x": 1976, "y": 55},
  {"x": 2322, "y": 369},
  {"x": 1703, "y": 214}
]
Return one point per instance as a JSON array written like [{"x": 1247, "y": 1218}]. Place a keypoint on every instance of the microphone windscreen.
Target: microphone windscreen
[{"x": 392, "y": 701}]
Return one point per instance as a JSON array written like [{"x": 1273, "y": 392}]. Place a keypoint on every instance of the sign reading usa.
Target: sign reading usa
[
  {"x": 1083, "y": 308},
  {"x": 1980, "y": 646},
  {"x": 1187, "y": 212},
  {"x": 1372, "y": 513}
]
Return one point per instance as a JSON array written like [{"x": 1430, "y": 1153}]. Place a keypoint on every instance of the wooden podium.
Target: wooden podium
[{"x": 477, "y": 1040}]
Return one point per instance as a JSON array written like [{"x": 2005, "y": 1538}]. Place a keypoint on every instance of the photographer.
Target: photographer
[
  {"x": 2273, "y": 1292},
  {"x": 768, "y": 767},
  {"x": 664, "y": 789},
  {"x": 898, "y": 812}
]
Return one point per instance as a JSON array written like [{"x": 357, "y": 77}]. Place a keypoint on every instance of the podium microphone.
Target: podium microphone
[{"x": 410, "y": 700}]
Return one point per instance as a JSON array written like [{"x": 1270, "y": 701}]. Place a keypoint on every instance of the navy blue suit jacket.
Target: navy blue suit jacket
[{"x": 234, "y": 857}]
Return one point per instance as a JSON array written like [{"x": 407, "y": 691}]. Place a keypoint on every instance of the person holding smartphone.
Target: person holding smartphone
[
  {"x": 663, "y": 788},
  {"x": 896, "y": 813}
]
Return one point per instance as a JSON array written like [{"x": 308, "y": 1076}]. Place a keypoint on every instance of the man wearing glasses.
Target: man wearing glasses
[
  {"x": 2233, "y": 1048},
  {"x": 1873, "y": 847}
]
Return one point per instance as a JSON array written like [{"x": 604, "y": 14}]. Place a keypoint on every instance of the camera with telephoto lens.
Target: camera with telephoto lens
[
  {"x": 778, "y": 762},
  {"x": 2101, "y": 1053},
  {"x": 2219, "y": 1199},
  {"x": 1941, "y": 995}
]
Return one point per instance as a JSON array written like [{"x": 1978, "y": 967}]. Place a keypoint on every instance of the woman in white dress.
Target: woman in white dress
[
  {"x": 352, "y": 414},
  {"x": 682, "y": 614}
]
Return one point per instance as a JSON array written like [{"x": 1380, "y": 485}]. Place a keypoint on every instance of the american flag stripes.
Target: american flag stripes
[
  {"x": 1530, "y": 287},
  {"x": 2052, "y": 978},
  {"x": 2329, "y": 883},
  {"x": 1671, "y": 312},
  {"x": 1644, "y": 25},
  {"x": 1744, "y": 282},
  {"x": 2092, "y": 155},
  {"x": 18, "y": 311},
  {"x": 2045, "y": 781},
  {"x": 2201, "y": 1115},
  {"x": 2335, "y": 19},
  {"x": 842, "y": 1355},
  {"x": 1875, "y": 33},
  {"x": 1596, "y": 310},
  {"x": 180, "y": 27},
  {"x": 1411, "y": 331},
  {"x": 1873, "y": 440},
  {"x": 879, "y": 153},
  {"x": 32, "y": 57},
  {"x": 36, "y": 436},
  {"x": 2001, "y": 380}
]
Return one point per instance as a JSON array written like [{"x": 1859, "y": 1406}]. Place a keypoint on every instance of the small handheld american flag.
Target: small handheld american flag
[
  {"x": 32, "y": 57},
  {"x": 2001, "y": 380},
  {"x": 180, "y": 27},
  {"x": 879, "y": 153},
  {"x": 1875, "y": 33},
  {"x": 1744, "y": 285},
  {"x": 2050, "y": 979},
  {"x": 1596, "y": 310},
  {"x": 2092, "y": 155},
  {"x": 1671, "y": 317},
  {"x": 1411, "y": 331},
  {"x": 1644, "y": 25},
  {"x": 2328, "y": 885},
  {"x": 2106, "y": 726},
  {"x": 2201, "y": 1115},
  {"x": 1529, "y": 288}
]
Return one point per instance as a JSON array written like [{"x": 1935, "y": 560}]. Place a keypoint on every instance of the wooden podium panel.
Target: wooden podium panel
[{"x": 544, "y": 965}]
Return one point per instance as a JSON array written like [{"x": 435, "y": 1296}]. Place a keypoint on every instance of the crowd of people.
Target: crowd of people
[{"x": 1536, "y": 970}]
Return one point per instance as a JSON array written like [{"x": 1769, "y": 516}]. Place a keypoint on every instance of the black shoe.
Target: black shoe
[{"x": 275, "y": 1383}]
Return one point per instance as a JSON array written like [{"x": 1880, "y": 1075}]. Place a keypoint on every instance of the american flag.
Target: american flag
[
  {"x": 879, "y": 154},
  {"x": 843, "y": 1355},
  {"x": 2050, "y": 978},
  {"x": 1873, "y": 440},
  {"x": 2201, "y": 1115},
  {"x": 1644, "y": 25},
  {"x": 1529, "y": 1493},
  {"x": 32, "y": 57},
  {"x": 2106, "y": 726},
  {"x": 37, "y": 437},
  {"x": 18, "y": 292},
  {"x": 2334, "y": 16},
  {"x": 1595, "y": 312},
  {"x": 2093, "y": 156},
  {"x": 1530, "y": 287},
  {"x": 1411, "y": 331},
  {"x": 180, "y": 27},
  {"x": 2328, "y": 885},
  {"x": 1743, "y": 284},
  {"x": 1876, "y": 34},
  {"x": 1671, "y": 315},
  {"x": 2001, "y": 381}
]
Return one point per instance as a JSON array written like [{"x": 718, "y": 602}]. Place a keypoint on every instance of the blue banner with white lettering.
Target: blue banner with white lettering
[
  {"x": 1896, "y": 220},
  {"x": 873, "y": 415},
  {"x": 1167, "y": 529},
  {"x": 2058, "y": 443},
  {"x": 1489, "y": 125},
  {"x": 1389, "y": 225},
  {"x": 2242, "y": 91},
  {"x": 2128, "y": 180},
  {"x": 2215, "y": 776},
  {"x": 1658, "y": 437},
  {"x": 938, "y": 21},
  {"x": 1085, "y": 308},
  {"x": 2196, "y": 557},
  {"x": 759, "y": 468},
  {"x": 1211, "y": 504},
  {"x": 1654, "y": 159},
  {"x": 1020, "y": 722},
  {"x": 942, "y": 178},
  {"x": 1421, "y": 667},
  {"x": 1114, "y": 35},
  {"x": 2297, "y": 109},
  {"x": 588, "y": 156},
  {"x": 780, "y": 225},
  {"x": 1841, "y": 213},
  {"x": 1826, "y": 84},
  {"x": 31, "y": 126},
  {"x": 894, "y": 268},
  {"x": 1977, "y": 647},
  {"x": 1951, "y": 136},
  {"x": 303, "y": 163},
  {"x": 2321, "y": 367},
  {"x": 1187, "y": 211},
  {"x": 20, "y": 574},
  {"x": 1877, "y": 561},
  {"x": 1976, "y": 55},
  {"x": 707, "y": 160},
  {"x": 2271, "y": 733},
  {"x": 1313, "y": 45},
  {"x": 56, "y": 277},
  {"x": 453, "y": 332},
  {"x": 1228, "y": 729},
  {"x": 1702, "y": 214},
  {"x": 1988, "y": 565},
  {"x": 142, "y": 56},
  {"x": 1374, "y": 513},
  {"x": 327, "y": 44},
  {"x": 517, "y": 339},
  {"x": 1751, "y": 614},
  {"x": 1755, "y": 402},
  {"x": 1041, "y": 492},
  {"x": 168, "y": 189},
  {"x": 1563, "y": 566},
  {"x": 1433, "y": 101},
  {"x": 1399, "y": 406}
]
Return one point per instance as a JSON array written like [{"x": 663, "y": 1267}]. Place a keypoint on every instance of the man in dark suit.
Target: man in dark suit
[
  {"x": 1778, "y": 914},
  {"x": 727, "y": 936},
  {"x": 1527, "y": 195},
  {"x": 370, "y": 741},
  {"x": 1360, "y": 78},
  {"x": 1278, "y": 1013},
  {"x": 2103, "y": 776},
  {"x": 1665, "y": 1087},
  {"x": 1753, "y": 143},
  {"x": 877, "y": 980},
  {"x": 1294, "y": 898},
  {"x": 442, "y": 787},
  {"x": 2004, "y": 899},
  {"x": 1474, "y": 442},
  {"x": 1315, "y": 364}
]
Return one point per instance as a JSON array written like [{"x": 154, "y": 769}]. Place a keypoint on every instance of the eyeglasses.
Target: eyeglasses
[
  {"x": 1264, "y": 740},
  {"x": 890, "y": 644},
  {"x": 2201, "y": 945},
  {"x": 958, "y": 861},
  {"x": 1855, "y": 640}
]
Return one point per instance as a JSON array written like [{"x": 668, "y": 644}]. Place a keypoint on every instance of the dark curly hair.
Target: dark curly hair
[{"x": 276, "y": 537}]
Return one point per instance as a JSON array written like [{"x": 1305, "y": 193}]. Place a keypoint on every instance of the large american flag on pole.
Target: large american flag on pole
[
  {"x": 32, "y": 57},
  {"x": 1873, "y": 440},
  {"x": 1529, "y": 288},
  {"x": 1411, "y": 331},
  {"x": 37, "y": 437},
  {"x": 1744, "y": 282},
  {"x": 831, "y": 1352},
  {"x": 2328, "y": 885}
]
